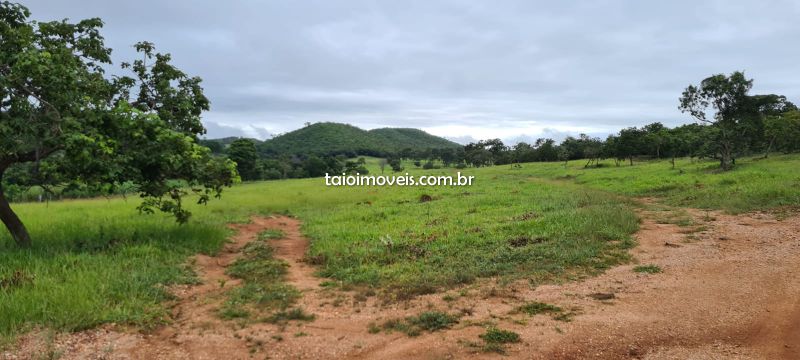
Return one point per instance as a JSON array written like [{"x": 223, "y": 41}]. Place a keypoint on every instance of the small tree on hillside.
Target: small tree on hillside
[{"x": 60, "y": 113}]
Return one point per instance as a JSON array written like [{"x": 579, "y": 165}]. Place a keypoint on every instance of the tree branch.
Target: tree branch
[{"x": 32, "y": 155}]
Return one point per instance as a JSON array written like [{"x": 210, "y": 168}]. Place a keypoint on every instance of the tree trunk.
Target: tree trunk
[
  {"x": 17, "y": 229},
  {"x": 726, "y": 159},
  {"x": 769, "y": 147},
  {"x": 631, "y": 159}
]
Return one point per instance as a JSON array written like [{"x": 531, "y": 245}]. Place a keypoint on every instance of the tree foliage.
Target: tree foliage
[
  {"x": 737, "y": 116},
  {"x": 63, "y": 120},
  {"x": 243, "y": 153},
  {"x": 331, "y": 139}
]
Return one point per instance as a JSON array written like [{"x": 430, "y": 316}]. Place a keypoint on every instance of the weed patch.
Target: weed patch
[
  {"x": 536, "y": 308},
  {"x": 271, "y": 234},
  {"x": 495, "y": 335},
  {"x": 285, "y": 316},
  {"x": 647, "y": 269},
  {"x": 427, "y": 321}
]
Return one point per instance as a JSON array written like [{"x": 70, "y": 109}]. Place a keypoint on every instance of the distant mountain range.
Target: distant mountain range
[{"x": 335, "y": 138}]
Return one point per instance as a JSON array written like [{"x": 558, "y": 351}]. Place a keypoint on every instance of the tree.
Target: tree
[
  {"x": 736, "y": 114},
  {"x": 655, "y": 137},
  {"x": 592, "y": 149},
  {"x": 60, "y": 113},
  {"x": 243, "y": 153},
  {"x": 353, "y": 167},
  {"x": 382, "y": 164},
  {"x": 448, "y": 156},
  {"x": 629, "y": 143},
  {"x": 611, "y": 149},
  {"x": 396, "y": 164},
  {"x": 315, "y": 167},
  {"x": 782, "y": 132},
  {"x": 215, "y": 146},
  {"x": 546, "y": 150}
]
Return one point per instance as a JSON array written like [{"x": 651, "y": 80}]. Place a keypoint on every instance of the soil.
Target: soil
[{"x": 729, "y": 289}]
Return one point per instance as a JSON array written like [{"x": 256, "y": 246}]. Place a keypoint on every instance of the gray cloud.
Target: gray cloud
[{"x": 462, "y": 69}]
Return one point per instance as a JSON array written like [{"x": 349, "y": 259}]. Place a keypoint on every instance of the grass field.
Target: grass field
[
  {"x": 755, "y": 184},
  {"x": 97, "y": 261}
]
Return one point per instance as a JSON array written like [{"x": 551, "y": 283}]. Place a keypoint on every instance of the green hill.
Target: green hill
[{"x": 335, "y": 138}]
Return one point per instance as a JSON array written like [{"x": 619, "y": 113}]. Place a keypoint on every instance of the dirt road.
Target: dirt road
[{"x": 729, "y": 289}]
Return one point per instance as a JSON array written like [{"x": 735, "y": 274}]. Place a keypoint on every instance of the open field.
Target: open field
[
  {"x": 756, "y": 184},
  {"x": 98, "y": 261}
]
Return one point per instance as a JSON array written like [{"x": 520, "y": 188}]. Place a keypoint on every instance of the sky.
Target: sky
[{"x": 465, "y": 70}]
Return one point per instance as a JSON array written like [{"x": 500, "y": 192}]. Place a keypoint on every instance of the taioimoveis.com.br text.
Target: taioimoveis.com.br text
[{"x": 398, "y": 180}]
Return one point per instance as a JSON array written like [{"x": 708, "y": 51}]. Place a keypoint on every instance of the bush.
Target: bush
[
  {"x": 433, "y": 320},
  {"x": 497, "y": 336}
]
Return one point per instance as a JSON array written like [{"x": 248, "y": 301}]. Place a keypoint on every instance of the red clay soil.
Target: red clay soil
[{"x": 730, "y": 289}]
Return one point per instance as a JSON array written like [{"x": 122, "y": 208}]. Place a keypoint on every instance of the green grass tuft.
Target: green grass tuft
[
  {"x": 647, "y": 269},
  {"x": 427, "y": 321},
  {"x": 495, "y": 335},
  {"x": 535, "y": 308}
]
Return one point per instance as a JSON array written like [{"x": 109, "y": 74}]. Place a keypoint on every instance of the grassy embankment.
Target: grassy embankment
[{"x": 97, "y": 261}]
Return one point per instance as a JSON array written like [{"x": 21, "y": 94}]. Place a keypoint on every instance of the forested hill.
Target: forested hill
[{"x": 335, "y": 138}]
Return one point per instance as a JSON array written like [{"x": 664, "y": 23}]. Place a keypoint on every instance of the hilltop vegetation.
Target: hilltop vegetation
[
  {"x": 323, "y": 148},
  {"x": 330, "y": 139}
]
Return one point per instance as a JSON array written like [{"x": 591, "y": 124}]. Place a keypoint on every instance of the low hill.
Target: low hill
[{"x": 336, "y": 138}]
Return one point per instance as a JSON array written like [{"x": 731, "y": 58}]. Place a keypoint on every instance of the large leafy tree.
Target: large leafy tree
[
  {"x": 62, "y": 119},
  {"x": 738, "y": 118}
]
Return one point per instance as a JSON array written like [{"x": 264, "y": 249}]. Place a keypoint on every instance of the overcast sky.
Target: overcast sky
[{"x": 459, "y": 69}]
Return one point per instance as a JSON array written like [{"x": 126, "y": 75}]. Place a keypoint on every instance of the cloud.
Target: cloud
[{"x": 461, "y": 69}]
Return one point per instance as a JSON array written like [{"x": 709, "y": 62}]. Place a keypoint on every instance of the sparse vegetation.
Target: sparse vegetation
[
  {"x": 647, "y": 269},
  {"x": 284, "y": 316},
  {"x": 270, "y": 234},
  {"x": 535, "y": 308},
  {"x": 263, "y": 289},
  {"x": 414, "y": 325}
]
